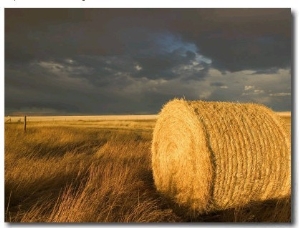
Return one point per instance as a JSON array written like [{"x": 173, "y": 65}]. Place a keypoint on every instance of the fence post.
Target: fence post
[{"x": 25, "y": 123}]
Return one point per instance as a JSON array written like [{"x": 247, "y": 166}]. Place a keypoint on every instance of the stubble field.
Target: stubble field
[{"x": 98, "y": 169}]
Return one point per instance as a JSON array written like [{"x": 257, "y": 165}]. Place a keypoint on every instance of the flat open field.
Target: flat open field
[
  {"x": 98, "y": 169},
  {"x": 80, "y": 118}
]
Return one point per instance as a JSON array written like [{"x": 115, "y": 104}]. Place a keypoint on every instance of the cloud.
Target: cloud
[
  {"x": 39, "y": 85},
  {"x": 167, "y": 56},
  {"x": 280, "y": 94},
  {"x": 125, "y": 93},
  {"x": 61, "y": 68},
  {"x": 258, "y": 91},
  {"x": 249, "y": 87},
  {"x": 244, "y": 87},
  {"x": 218, "y": 84},
  {"x": 240, "y": 39},
  {"x": 272, "y": 70},
  {"x": 230, "y": 39},
  {"x": 253, "y": 92},
  {"x": 138, "y": 67},
  {"x": 134, "y": 60},
  {"x": 224, "y": 87}
]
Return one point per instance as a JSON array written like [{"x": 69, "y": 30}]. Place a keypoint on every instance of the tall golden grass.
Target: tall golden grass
[
  {"x": 70, "y": 174},
  {"x": 97, "y": 171},
  {"x": 211, "y": 156}
]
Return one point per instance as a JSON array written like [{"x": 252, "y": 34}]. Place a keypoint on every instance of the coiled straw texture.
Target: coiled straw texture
[{"x": 218, "y": 155}]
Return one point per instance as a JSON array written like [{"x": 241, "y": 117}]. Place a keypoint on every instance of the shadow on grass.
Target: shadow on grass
[{"x": 268, "y": 211}]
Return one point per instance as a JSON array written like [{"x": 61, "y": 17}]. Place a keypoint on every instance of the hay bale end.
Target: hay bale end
[{"x": 218, "y": 155}]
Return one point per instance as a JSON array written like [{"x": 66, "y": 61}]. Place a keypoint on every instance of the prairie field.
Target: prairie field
[{"x": 98, "y": 169}]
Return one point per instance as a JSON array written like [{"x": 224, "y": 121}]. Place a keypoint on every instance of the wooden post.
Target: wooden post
[{"x": 25, "y": 123}]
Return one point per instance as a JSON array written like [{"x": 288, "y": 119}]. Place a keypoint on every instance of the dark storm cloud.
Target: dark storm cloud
[
  {"x": 134, "y": 60},
  {"x": 45, "y": 33},
  {"x": 33, "y": 86},
  {"x": 160, "y": 65},
  {"x": 235, "y": 39},
  {"x": 49, "y": 85},
  {"x": 247, "y": 53},
  {"x": 238, "y": 39}
]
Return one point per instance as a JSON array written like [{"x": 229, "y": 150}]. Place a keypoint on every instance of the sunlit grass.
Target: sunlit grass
[{"x": 76, "y": 171}]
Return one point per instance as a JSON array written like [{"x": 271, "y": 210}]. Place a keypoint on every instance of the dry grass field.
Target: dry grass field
[{"x": 85, "y": 169}]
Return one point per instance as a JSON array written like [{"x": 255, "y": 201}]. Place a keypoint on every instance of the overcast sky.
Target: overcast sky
[{"x": 132, "y": 61}]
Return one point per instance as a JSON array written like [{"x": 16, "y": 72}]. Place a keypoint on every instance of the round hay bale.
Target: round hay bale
[{"x": 217, "y": 155}]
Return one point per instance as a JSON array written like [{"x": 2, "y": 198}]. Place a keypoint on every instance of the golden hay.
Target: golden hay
[{"x": 217, "y": 155}]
